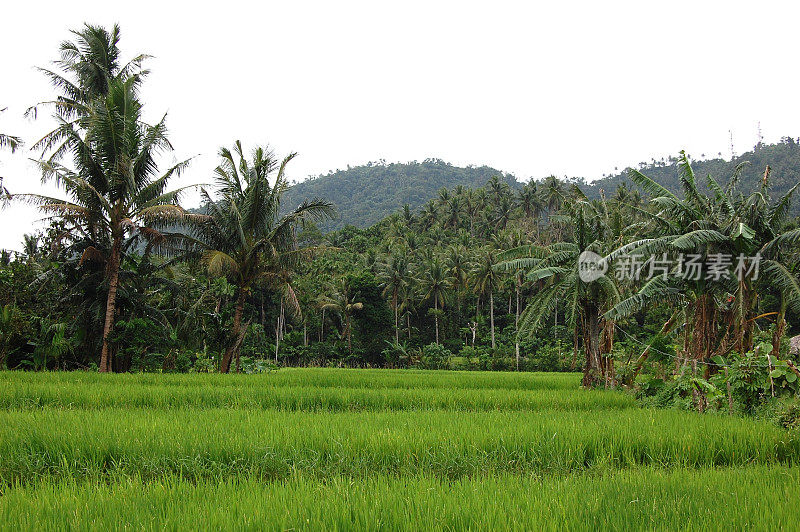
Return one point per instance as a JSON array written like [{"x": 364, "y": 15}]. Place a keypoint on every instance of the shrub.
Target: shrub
[{"x": 435, "y": 356}]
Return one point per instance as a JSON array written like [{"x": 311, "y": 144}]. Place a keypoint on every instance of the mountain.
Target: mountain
[
  {"x": 364, "y": 195},
  {"x": 783, "y": 159}
]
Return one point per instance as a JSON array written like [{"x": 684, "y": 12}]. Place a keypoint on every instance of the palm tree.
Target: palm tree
[
  {"x": 435, "y": 283},
  {"x": 503, "y": 213},
  {"x": 30, "y": 246},
  {"x": 454, "y": 212},
  {"x": 458, "y": 268},
  {"x": 444, "y": 197},
  {"x": 497, "y": 189},
  {"x": 114, "y": 191},
  {"x": 485, "y": 280},
  {"x": 471, "y": 207},
  {"x": 343, "y": 302},
  {"x": 245, "y": 236},
  {"x": 531, "y": 203},
  {"x": 429, "y": 215},
  {"x": 394, "y": 275},
  {"x": 408, "y": 294},
  {"x": 84, "y": 74},
  {"x": 553, "y": 193}
]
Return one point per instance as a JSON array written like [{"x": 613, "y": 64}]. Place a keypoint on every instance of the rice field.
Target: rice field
[{"x": 330, "y": 449}]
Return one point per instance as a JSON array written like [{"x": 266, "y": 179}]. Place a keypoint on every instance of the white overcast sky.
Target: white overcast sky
[{"x": 532, "y": 88}]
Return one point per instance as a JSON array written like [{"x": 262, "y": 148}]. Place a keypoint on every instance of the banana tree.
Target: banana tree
[{"x": 557, "y": 268}]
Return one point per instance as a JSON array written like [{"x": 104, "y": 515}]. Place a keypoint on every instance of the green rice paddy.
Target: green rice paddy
[{"x": 377, "y": 449}]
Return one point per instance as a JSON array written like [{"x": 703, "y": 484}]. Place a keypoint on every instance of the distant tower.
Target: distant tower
[{"x": 733, "y": 152}]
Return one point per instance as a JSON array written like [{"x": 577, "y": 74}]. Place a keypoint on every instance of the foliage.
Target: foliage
[
  {"x": 435, "y": 356},
  {"x": 364, "y": 195}
]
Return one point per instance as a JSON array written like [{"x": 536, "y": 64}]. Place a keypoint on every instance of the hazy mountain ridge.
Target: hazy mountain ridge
[{"x": 366, "y": 194}]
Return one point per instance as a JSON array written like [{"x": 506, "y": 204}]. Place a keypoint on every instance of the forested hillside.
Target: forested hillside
[
  {"x": 783, "y": 159},
  {"x": 364, "y": 195}
]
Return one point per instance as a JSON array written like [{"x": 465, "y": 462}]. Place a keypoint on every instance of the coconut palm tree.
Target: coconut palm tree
[
  {"x": 553, "y": 193},
  {"x": 458, "y": 268},
  {"x": 114, "y": 190},
  {"x": 498, "y": 190},
  {"x": 88, "y": 66},
  {"x": 435, "y": 284},
  {"x": 8, "y": 317},
  {"x": 485, "y": 281},
  {"x": 343, "y": 303},
  {"x": 531, "y": 203},
  {"x": 453, "y": 213},
  {"x": 429, "y": 214},
  {"x": 394, "y": 275},
  {"x": 245, "y": 236}
]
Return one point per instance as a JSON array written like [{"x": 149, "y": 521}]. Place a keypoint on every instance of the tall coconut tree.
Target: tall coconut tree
[
  {"x": 245, "y": 235},
  {"x": 435, "y": 284},
  {"x": 458, "y": 268},
  {"x": 393, "y": 275},
  {"x": 343, "y": 302},
  {"x": 114, "y": 190},
  {"x": 486, "y": 279},
  {"x": 531, "y": 203},
  {"x": 113, "y": 187}
]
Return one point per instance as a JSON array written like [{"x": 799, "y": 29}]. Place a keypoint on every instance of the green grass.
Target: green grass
[
  {"x": 374, "y": 449},
  {"x": 273, "y": 444},
  {"x": 333, "y": 390},
  {"x": 757, "y": 498},
  {"x": 316, "y": 377}
]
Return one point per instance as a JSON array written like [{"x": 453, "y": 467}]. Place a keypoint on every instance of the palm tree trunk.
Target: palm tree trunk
[
  {"x": 349, "y": 337},
  {"x": 436, "y": 318},
  {"x": 322, "y": 326},
  {"x": 233, "y": 347},
  {"x": 111, "y": 304},
  {"x": 279, "y": 332},
  {"x": 491, "y": 315},
  {"x": 396, "y": 320}
]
